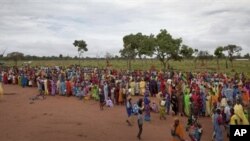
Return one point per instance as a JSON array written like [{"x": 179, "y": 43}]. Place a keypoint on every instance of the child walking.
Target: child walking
[{"x": 140, "y": 123}]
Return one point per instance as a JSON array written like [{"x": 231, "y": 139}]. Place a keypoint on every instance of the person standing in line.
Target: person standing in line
[
  {"x": 218, "y": 134},
  {"x": 101, "y": 98},
  {"x": 1, "y": 87}
]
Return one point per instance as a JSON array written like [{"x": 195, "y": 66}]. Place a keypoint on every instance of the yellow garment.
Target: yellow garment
[
  {"x": 223, "y": 102},
  {"x": 238, "y": 110},
  {"x": 132, "y": 87},
  {"x": 46, "y": 87},
  {"x": 179, "y": 131},
  {"x": 233, "y": 119},
  {"x": 142, "y": 87},
  {"x": 1, "y": 91},
  {"x": 120, "y": 98},
  {"x": 208, "y": 105},
  {"x": 214, "y": 99}
]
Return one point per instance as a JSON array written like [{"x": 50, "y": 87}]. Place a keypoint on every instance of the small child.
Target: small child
[
  {"x": 140, "y": 124},
  {"x": 102, "y": 100},
  {"x": 163, "y": 108},
  {"x": 155, "y": 108},
  {"x": 109, "y": 103}
]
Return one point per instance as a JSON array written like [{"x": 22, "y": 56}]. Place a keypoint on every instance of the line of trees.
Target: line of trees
[
  {"x": 162, "y": 46},
  {"x": 165, "y": 47}
]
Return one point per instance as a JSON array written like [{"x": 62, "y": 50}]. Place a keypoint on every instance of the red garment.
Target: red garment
[
  {"x": 68, "y": 88},
  {"x": 163, "y": 87},
  {"x": 5, "y": 78}
]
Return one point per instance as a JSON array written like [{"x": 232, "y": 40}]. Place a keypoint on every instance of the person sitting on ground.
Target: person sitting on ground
[{"x": 109, "y": 102}]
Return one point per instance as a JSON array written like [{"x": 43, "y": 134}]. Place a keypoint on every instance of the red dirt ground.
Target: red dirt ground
[{"x": 63, "y": 119}]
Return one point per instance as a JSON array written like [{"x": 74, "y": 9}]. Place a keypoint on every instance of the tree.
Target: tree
[
  {"x": 81, "y": 46},
  {"x": 203, "y": 56},
  {"x": 232, "y": 50},
  {"x": 219, "y": 54},
  {"x": 129, "y": 53},
  {"x": 15, "y": 56},
  {"x": 167, "y": 47},
  {"x": 196, "y": 51},
  {"x": 146, "y": 45},
  {"x": 186, "y": 52},
  {"x": 247, "y": 56},
  {"x": 60, "y": 56}
]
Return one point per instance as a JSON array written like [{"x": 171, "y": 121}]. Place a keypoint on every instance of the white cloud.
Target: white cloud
[{"x": 49, "y": 27}]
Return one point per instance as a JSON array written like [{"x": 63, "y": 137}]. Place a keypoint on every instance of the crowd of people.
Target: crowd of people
[{"x": 223, "y": 98}]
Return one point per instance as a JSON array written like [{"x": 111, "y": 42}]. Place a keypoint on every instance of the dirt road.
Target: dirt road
[{"x": 60, "y": 118}]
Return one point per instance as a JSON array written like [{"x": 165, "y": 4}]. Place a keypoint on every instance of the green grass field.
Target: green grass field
[{"x": 184, "y": 65}]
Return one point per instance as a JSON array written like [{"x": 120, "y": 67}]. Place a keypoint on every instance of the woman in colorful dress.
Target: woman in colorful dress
[
  {"x": 95, "y": 93},
  {"x": 142, "y": 87},
  {"x": 147, "y": 116},
  {"x": 187, "y": 102},
  {"x": 132, "y": 87}
]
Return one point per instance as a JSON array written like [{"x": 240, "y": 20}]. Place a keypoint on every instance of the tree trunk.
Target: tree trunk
[
  {"x": 129, "y": 64},
  {"x": 218, "y": 64},
  {"x": 226, "y": 64},
  {"x": 127, "y": 60},
  {"x": 164, "y": 66},
  {"x": 79, "y": 59},
  {"x": 202, "y": 62},
  {"x": 195, "y": 63}
]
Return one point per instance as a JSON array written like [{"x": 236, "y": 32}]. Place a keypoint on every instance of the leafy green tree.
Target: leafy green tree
[
  {"x": 167, "y": 47},
  {"x": 81, "y": 46},
  {"x": 129, "y": 53},
  {"x": 15, "y": 56},
  {"x": 146, "y": 45},
  {"x": 232, "y": 50},
  {"x": 187, "y": 52},
  {"x": 219, "y": 54}
]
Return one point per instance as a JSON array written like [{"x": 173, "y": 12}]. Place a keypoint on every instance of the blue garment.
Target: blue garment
[
  {"x": 229, "y": 94},
  {"x": 129, "y": 108},
  {"x": 217, "y": 129},
  {"x": 106, "y": 91},
  {"x": 23, "y": 81},
  {"x": 74, "y": 90},
  {"x": 1, "y": 77},
  {"x": 235, "y": 92},
  {"x": 147, "y": 109},
  {"x": 63, "y": 88}
]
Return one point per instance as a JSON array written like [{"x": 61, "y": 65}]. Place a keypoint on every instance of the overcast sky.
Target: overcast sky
[{"x": 49, "y": 27}]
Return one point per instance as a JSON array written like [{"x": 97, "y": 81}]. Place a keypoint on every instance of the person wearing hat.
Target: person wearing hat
[{"x": 177, "y": 131}]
